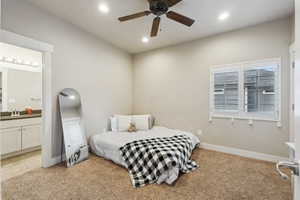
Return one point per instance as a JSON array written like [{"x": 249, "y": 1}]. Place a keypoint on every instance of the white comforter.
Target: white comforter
[{"x": 107, "y": 145}]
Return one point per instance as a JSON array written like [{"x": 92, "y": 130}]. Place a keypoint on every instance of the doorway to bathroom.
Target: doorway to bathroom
[
  {"x": 20, "y": 109},
  {"x": 26, "y": 104}
]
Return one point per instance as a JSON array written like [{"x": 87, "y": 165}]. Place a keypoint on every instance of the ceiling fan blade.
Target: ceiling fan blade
[
  {"x": 180, "y": 18},
  {"x": 134, "y": 16},
  {"x": 173, "y": 2},
  {"x": 155, "y": 26}
]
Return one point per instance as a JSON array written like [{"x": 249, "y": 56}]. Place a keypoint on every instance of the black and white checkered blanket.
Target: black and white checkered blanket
[{"x": 147, "y": 159}]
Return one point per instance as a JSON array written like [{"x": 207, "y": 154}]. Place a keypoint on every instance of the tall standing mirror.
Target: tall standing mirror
[{"x": 74, "y": 137}]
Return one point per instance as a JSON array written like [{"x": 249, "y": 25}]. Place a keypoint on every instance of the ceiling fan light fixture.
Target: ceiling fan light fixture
[
  {"x": 103, "y": 8},
  {"x": 159, "y": 8},
  {"x": 145, "y": 40}
]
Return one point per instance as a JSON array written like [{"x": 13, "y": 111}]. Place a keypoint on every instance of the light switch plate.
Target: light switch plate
[{"x": 199, "y": 132}]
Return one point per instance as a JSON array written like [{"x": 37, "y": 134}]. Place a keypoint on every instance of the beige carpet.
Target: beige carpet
[{"x": 220, "y": 176}]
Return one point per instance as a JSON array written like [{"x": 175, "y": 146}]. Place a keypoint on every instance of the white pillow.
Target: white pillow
[
  {"x": 123, "y": 122},
  {"x": 114, "y": 124},
  {"x": 141, "y": 122},
  {"x": 151, "y": 122}
]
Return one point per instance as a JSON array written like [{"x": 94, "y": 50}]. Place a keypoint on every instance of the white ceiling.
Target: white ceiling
[{"x": 127, "y": 35}]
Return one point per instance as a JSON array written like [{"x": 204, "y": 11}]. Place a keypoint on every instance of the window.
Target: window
[{"x": 246, "y": 90}]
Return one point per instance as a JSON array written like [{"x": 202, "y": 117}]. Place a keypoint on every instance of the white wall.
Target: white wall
[
  {"x": 101, "y": 72},
  {"x": 173, "y": 83}
]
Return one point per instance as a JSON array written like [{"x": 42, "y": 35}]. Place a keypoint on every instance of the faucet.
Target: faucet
[{"x": 15, "y": 113}]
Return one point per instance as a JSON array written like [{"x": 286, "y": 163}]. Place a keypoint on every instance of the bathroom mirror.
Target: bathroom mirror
[
  {"x": 20, "y": 79},
  {"x": 74, "y": 137}
]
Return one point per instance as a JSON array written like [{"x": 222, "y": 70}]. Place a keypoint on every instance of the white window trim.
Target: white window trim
[{"x": 241, "y": 67}]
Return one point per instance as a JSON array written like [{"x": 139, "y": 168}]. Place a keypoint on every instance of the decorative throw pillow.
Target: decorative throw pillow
[
  {"x": 122, "y": 123},
  {"x": 132, "y": 128}
]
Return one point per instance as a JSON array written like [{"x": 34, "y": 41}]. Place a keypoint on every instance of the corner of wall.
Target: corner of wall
[{"x": 132, "y": 83}]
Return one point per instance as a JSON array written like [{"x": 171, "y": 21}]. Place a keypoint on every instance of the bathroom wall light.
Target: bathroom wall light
[
  {"x": 9, "y": 59},
  {"x": 19, "y": 61},
  {"x": 27, "y": 63},
  {"x": 35, "y": 64}
]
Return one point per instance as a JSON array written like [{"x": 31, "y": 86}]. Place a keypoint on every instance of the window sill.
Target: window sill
[{"x": 255, "y": 118}]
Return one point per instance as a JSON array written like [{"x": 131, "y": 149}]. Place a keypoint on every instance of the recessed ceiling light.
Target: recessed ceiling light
[
  {"x": 145, "y": 40},
  {"x": 224, "y": 16},
  {"x": 103, "y": 8}
]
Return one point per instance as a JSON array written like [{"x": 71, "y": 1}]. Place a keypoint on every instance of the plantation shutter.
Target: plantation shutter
[
  {"x": 260, "y": 90},
  {"x": 249, "y": 90},
  {"x": 226, "y": 91}
]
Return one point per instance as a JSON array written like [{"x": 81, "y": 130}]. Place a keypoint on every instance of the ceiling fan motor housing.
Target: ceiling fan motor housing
[{"x": 159, "y": 7}]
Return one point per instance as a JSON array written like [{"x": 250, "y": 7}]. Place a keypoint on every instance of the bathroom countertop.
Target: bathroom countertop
[
  {"x": 26, "y": 116},
  {"x": 5, "y": 116}
]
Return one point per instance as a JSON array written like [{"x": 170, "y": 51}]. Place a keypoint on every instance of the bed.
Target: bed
[{"x": 108, "y": 144}]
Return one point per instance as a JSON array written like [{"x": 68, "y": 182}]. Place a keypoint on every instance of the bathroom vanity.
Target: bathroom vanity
[{"x": 21, "y": 134}]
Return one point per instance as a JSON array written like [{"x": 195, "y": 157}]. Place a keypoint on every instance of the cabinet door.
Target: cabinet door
[
  {"x": 31, "y": 136},
  {"x": 10, "y": 140}
]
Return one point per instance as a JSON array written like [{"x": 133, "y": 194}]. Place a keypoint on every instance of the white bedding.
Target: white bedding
[{"x": 107, "y": 145}]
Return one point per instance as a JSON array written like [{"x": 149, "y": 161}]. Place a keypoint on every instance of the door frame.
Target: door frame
[
  {"x": 46, "y": 50},
  {"x": 4, "y": 88},
  {"x": 292, "y": 96},
  {"x": 297, "y": 96}
]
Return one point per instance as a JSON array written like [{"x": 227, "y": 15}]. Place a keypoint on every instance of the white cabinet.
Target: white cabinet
[
  {"x": 20, "y": 123},
  {"x": 31, "y": 136},
  {"x": 10, "y": 140},
  {"x": 20, "y": 136}
]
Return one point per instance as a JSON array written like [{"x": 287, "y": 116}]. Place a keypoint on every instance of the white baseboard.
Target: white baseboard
[
  {"x": 243, "y": 153},
  {"x": 55, "y": 160},
  {"x": 229, "y": 150}
]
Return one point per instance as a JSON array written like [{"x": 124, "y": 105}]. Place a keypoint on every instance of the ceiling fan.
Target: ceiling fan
[{"x": 159, "y": 8}]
